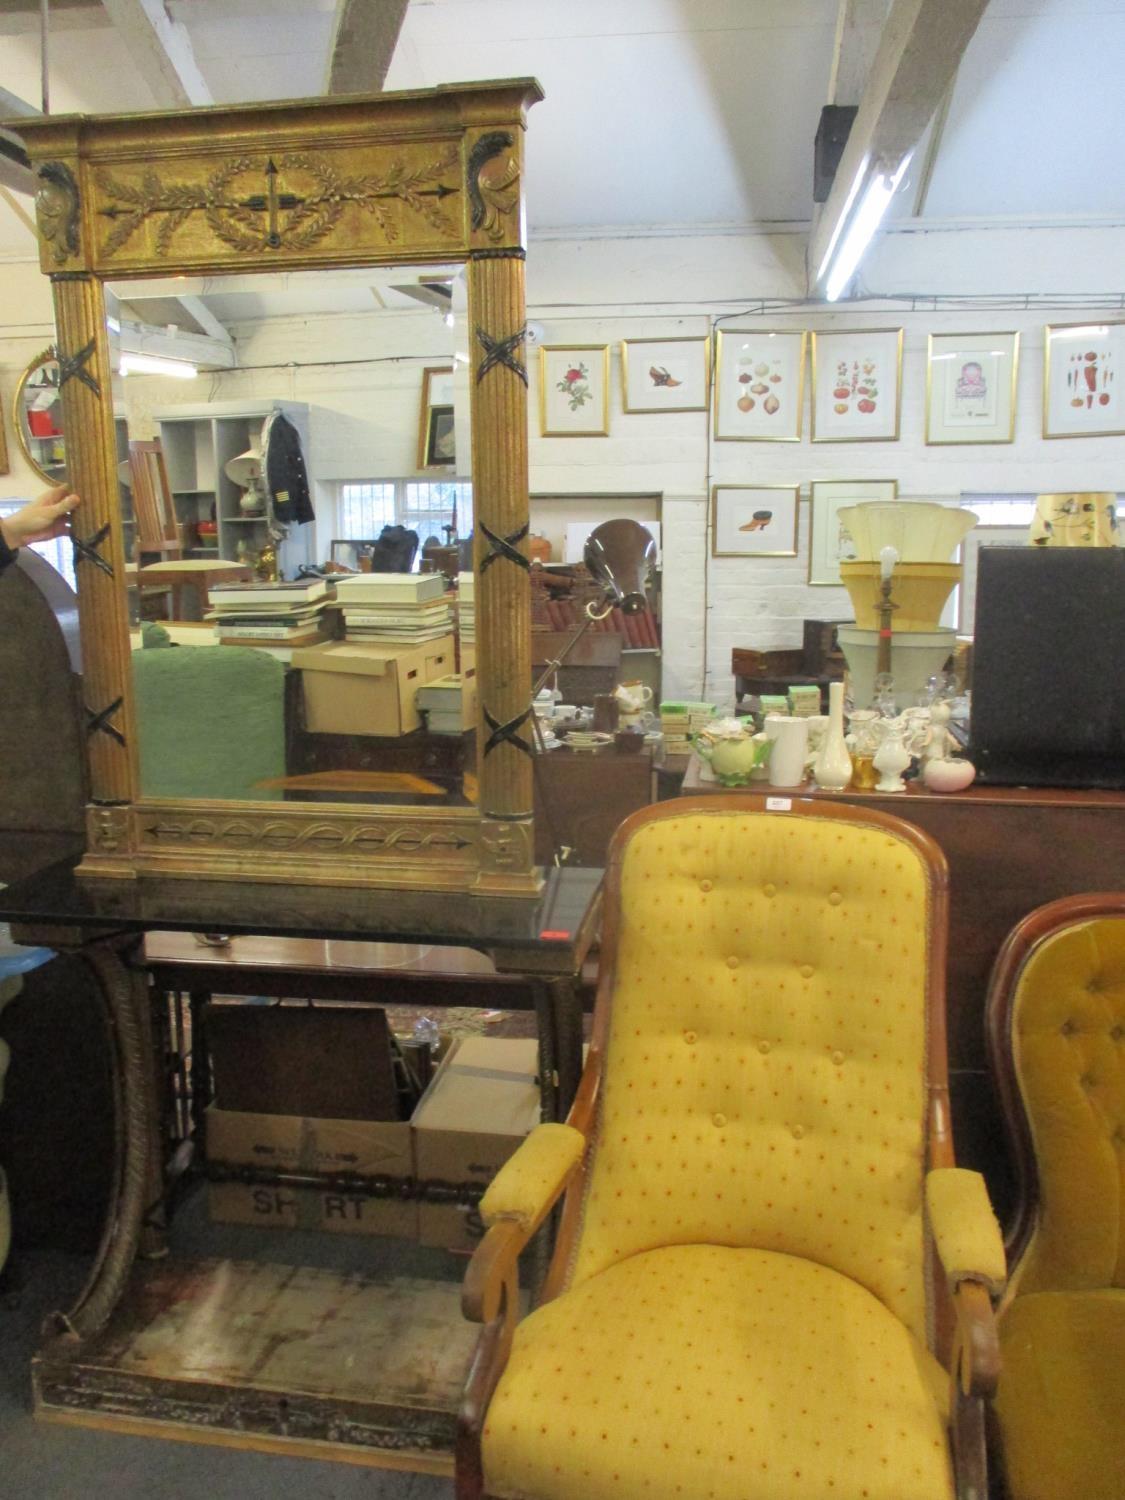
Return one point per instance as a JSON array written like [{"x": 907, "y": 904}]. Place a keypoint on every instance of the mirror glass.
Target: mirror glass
[
  {"x": 38, "y": 420},
  {"x": 294, "y": 469}
]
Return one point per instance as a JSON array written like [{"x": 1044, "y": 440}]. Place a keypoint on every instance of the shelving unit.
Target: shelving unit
[{"x": 198, "y": 443}]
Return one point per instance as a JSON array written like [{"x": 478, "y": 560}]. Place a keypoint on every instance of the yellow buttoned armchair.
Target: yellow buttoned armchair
[
  {"x": 768, "y": 1269},
  {"x": 1056, "y": 1031}
]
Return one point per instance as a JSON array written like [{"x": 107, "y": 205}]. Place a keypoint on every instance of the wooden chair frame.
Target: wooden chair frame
[
  {"x": 1020, "y": 944},
  {"x": 429, "y": 177},
  {"x": 964, "y": 1330}
]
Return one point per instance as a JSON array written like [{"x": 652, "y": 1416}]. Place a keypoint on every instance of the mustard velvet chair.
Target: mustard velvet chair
[
  {"x": 744, "y": 1300},
  {"x": 1056, "y": 1032}
]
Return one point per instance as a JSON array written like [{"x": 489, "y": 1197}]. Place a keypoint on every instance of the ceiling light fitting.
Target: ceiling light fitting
[
  {"x": 870, "y": 193},
  {"x": 152, "y": 364}
]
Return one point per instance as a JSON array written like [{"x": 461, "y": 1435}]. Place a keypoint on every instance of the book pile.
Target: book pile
[
  {"x": 402, "y": 609},
  {"x": 680, "y": 722},
  {"x": 444, "y": 706},
  {"x": 270, "y": 615},
  {"x": 466, "y": 609}
]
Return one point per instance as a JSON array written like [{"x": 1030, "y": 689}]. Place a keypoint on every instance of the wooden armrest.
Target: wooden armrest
[
  {"x": 493, "y": 1266},
  {"x": 976, "y": 1349}
]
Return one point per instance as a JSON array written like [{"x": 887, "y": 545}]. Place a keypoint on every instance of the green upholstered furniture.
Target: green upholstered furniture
[{"x": 210, "y": 721}]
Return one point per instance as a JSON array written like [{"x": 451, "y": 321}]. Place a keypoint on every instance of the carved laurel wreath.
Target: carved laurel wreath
[
  {"x": 302, "y": 221},
  {"x": 364, "y": 838}
]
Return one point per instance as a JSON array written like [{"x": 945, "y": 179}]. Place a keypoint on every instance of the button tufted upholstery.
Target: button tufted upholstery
[
  {"x": 739, "y": 1305},
  {"x": 832, "y": 1048},
  {"x": 1057, "y": 1032}
]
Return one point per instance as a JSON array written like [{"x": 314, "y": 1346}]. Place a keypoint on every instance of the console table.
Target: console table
[
  {"x": 1010, "y": 849},
  {"x": 245, "y": 1352}
]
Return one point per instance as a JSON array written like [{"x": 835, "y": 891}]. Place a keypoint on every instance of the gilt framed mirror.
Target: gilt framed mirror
[
  {"x": 218, "y": 196},
  {"x": 37, "y": 418}
]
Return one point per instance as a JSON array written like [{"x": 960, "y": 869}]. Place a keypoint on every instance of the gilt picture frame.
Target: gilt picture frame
[
  {"x": 829, "y": 543},
  {"x": 754, "y": 520},
  {"x": 665, "y": 374},
  {"x": 971, "y": 387},
  {"x": 574, "y": 390},
  {"x": 857, "y": 386},
  {"x": 759, "y": 385},
  {"x": 436, "y": 437},
  {"x": 1081, "y": 395}
]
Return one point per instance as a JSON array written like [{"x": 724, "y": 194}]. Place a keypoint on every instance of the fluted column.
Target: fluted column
[
  {"x": 87, "y": 399},
  {"x": 503, "y": 610}
]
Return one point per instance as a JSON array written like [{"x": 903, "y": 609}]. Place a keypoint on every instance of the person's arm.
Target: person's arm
[{"x": 40, "y": 521}]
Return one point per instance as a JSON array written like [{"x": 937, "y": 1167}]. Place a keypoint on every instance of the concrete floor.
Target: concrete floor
[{"x": 39, "y": 1461}]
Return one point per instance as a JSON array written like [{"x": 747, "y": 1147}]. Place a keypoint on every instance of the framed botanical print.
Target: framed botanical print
[
  {"x": 665, "y": 374},
  {"x": 857, "y": 385},
  {"x": 829, "y": 543},
  {"x": 1081, "y": 397},
  {"x": 435, "y": 420},
  {"x": 971, "y": 387},
  {"x": 759, "y": 385},
  {"x": 574, "y": 390},
  {"x": 754, "y": 520}
]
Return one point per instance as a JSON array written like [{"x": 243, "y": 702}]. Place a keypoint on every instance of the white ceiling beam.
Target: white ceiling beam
[
  {"x": 161, "y": 52},
  {"x": 920, "y": 49},
  {"x": 859, "y": 26},
  {"x": 364, "y": 36},
  {"x": 197, "y": 309}
]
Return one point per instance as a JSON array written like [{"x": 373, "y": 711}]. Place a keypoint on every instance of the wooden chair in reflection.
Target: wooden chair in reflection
[{"x": 158, "y": 531}]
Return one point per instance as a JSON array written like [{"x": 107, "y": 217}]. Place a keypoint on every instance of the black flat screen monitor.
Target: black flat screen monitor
[{"x": 1048, "y": 706}]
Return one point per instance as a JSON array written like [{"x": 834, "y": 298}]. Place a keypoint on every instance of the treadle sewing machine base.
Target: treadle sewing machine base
[{"x": 367, "y": 1369}]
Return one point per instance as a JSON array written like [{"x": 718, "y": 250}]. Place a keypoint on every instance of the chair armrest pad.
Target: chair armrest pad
[
  {"x": 529, "y": 1181},
  {"x": 965, "y": 1230}
]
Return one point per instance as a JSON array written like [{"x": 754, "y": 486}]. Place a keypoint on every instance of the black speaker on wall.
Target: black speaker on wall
[{"x": 1049, "y": 667}]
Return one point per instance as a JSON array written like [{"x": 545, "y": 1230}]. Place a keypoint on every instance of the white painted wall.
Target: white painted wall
[{"x": 600, "y": 290}]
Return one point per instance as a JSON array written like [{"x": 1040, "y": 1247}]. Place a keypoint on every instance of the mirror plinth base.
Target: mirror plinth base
[{"x": 415, "y": 848}]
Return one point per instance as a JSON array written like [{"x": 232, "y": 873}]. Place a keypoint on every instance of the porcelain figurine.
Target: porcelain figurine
[
  {"x": 833, "y": 765},
  {"x": 891, "y": 759}
]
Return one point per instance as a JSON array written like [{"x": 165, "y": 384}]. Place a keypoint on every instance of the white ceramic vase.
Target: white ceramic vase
[
  {"x": 833, "y": 765},
  {"x": 790, "y": 747}
]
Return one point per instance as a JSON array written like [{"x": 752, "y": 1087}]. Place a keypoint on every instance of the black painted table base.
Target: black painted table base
[{"x": 113, "y": 1359}]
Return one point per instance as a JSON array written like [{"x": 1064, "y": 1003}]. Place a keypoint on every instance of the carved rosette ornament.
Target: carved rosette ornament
[
  {"x": 108, "y": 829},
  {"x": 56, "y": 211}
]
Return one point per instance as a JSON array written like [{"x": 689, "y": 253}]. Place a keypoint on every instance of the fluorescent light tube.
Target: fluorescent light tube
[
  {"x": 152, "y": 364},
  {"x": 866, "y": 220}
]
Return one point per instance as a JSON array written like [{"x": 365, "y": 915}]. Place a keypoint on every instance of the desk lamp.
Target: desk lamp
[{"x": 619, "y": 556}]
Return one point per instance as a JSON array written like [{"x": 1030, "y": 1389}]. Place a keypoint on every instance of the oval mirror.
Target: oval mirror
[{"x": 37, "y": 418}]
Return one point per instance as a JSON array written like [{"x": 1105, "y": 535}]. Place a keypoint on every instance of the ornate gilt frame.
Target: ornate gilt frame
[{"x": 407, "y": 178}]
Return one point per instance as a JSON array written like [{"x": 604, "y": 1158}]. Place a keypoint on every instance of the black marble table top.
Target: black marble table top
[{"x": 45, "y": 891}]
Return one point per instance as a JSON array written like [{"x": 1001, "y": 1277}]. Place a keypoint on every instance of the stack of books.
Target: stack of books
[
  {"x": 680, "y": 722},
  {"x": 279, "y": 616},
  {"x": 402, "y": 609},
  {"x": 466, "y": 609},
  {"x": 443, "y": 703}
]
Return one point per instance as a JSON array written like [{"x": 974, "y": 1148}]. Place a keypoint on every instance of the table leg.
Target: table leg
[
  {"x": 566, "y": 1010},
  {"x": 548, "y": 1066},
  {"x": 200, "y": 1073},
  {"x": 130, "y": 1225}
]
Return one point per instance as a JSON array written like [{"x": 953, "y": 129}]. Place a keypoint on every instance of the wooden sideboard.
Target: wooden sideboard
[{"x": 1010, "y": 849}]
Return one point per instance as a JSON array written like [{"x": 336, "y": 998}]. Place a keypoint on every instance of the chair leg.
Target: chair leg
[{"x": 970, "y": 1460}]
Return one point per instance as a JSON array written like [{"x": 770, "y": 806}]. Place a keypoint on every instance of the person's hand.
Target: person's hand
[{"x": 44, "y": 518}]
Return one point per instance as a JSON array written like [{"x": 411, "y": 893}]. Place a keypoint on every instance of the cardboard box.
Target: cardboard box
[
  {"x": 298, "y": 1144},
  {"x": 352, "y": 687},
  {"x": 481, "y": 1103}
]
